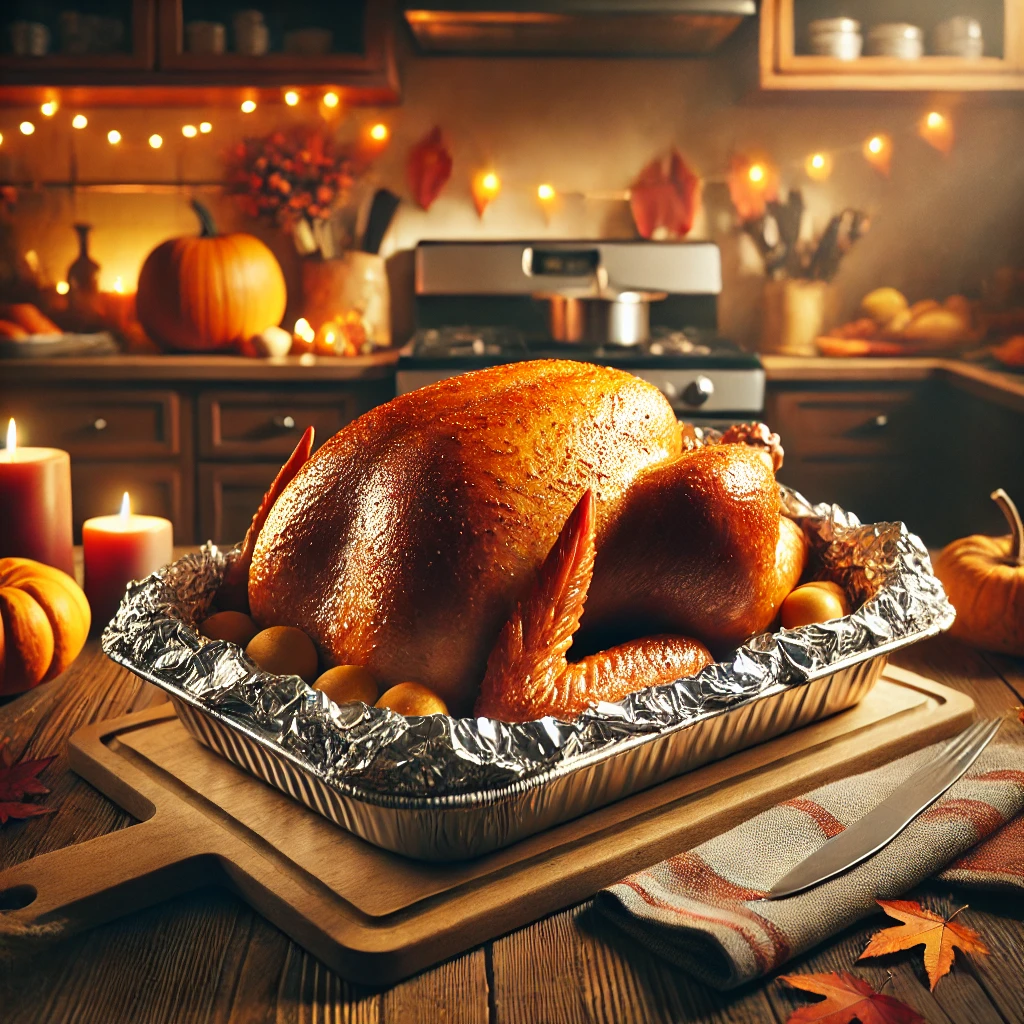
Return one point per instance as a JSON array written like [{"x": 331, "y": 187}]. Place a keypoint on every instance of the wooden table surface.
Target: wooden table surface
[{"x": 208, "y": 957}]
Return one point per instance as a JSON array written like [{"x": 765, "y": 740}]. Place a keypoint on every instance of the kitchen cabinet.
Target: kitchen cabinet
[
  {"x": 787, "y": 63},
  {"x": 927, "y": 453},
  {"x": 152, "y": 64},
  {"x": 199, "y": 452}
]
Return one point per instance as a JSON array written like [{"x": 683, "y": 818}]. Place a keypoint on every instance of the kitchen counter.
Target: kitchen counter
[
  {"x": 206, "y": 956},
  {"x": 1004, "y": 388},
  {"x": 125, "y": 369}
]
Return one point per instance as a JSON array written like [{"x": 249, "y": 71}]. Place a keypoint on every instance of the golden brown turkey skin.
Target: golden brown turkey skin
[{"x": 405, "y": 542}]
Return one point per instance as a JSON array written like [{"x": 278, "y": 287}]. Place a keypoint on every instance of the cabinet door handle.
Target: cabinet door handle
[
  {"x": 283, "y": 422},
  {"x": 99, "y": 424}
]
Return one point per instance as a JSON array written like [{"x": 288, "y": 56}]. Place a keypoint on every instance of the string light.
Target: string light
[
  {"x": 291, "y": 97},
  {"x": 189, "y": 131},
  {"x": 1, "y": 138},
  {"x": 937, "y": 131},
  {"x": 156, "y": 141},
  {"x": 545, "y": 193},
  {"x": 818, "y": 166},
  {"x": 48, "y": 109},
  {"x": 248, "y": 106},
  {"x": 331, "y": 99},
  {"x": 62, "y": 288},
  {"x": 485, "y": 188},
  {"x": 205, "y": 127},
  {"x": 878, "y": 153},
  {"x": 26, "y": 127},
  {"x": 113, "y": 136},
  {"x": 79, "y": 121},
  {"x": 756, "y": 174},
  {"x": 379, "y": 132},
  {"x": 303, "y": 331}
]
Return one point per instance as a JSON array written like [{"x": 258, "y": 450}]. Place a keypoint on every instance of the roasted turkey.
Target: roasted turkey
[{"x": 453, "y": 536}]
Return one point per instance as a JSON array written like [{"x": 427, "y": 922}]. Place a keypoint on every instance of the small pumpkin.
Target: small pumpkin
[
  {"x": 209, "y": 292},
  {"x": 984, "y": 580},
  {"x": 44, "y": 623}
]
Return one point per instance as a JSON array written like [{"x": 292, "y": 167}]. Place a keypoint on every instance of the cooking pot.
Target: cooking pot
[{"x": 600, "y": 318}]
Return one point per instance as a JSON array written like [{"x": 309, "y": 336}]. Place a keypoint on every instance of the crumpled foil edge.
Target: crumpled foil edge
[{"x": 383, "y": 757}]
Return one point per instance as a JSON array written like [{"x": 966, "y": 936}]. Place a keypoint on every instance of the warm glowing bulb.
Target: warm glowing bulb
[
  {"x": 756, "y": 173},
  {"x": 331, "y": 99},
  {"x": 248, "y": 106},
  {"x": 48, "y": 109},
  {"x": 126, "y": 506},
  {"x": 545, "y": 193},
  {"x": 27, "y": 127},
  {"x": 330, "y": 337},
  {"x": 156, "y": 141},
  {"x": 1, "y": 138},
  {"x": 291, "y": 97},
  {"x": 79, "y": 121},
  {"x": 875, "y": 144},
  {"x": 63, "y": 288},
  {"x": 303, "y": 331},
  {"x": 12, "y": 438},
  {"x": 379, "y": 132},
  {"x": 189, "y": 131},
  {"x": 934, "y": 119},
  {"x": 119, "y": 285},
  {"x": 205, "y": 127},
  {"x": 818, "y": 166},
  {"x": 490, "y": 182},
  {"x": 113, "y": 136}
]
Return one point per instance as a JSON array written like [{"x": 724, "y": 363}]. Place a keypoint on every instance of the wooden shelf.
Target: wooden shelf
[
  {"x": 782, "y": 68},
  {"x": 158, "y": 73}
]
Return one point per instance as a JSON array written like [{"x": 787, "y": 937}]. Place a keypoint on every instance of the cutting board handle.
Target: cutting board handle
[{"x": 88, "y": 883}]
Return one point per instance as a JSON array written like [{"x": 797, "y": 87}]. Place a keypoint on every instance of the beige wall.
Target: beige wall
[{"x": 940, "y": 224}]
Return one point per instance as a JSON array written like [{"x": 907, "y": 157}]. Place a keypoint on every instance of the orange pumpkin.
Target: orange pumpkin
[
  {"x": 984, "y": 580},
  {"x": 44, "y": 622},
  {"x": 209, "y": 292}
]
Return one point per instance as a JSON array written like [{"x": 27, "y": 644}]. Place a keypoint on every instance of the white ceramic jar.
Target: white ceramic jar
[
  {"x": 959, "y": 37},
  {"x": 836, "y": 37},
  {"x": 896, "y": 39}
]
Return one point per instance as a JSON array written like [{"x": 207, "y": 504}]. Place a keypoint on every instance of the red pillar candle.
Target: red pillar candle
[
  {"x": 119, "y": 549},
  {"x": 35, "y": 504}
]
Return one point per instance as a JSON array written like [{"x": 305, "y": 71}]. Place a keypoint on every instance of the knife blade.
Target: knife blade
[{"x": 867, "y": 835}]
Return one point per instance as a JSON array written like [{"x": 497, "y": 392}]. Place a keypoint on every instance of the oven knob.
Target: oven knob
[
  {"x": 698, "y": 391},
  {"x": 669, "y": 390}
]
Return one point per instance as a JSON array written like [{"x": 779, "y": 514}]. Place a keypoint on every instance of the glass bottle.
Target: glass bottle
[{"x": 84, "y": 286}]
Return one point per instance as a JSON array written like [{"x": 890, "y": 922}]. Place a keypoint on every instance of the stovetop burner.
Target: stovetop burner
[{"x": 467, "y": 346}]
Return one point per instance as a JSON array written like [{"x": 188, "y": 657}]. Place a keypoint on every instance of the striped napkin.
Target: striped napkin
[{"x": 702, "y": 910}]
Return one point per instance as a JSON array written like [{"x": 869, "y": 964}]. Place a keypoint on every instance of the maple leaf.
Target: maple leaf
[
  {"x": 18, "y": 780},
  {"x": 847, "y": 998},
  {"x": 921, "y": 927}
]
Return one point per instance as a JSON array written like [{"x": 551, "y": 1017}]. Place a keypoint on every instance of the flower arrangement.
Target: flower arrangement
[{"x": 298, "y": 180}]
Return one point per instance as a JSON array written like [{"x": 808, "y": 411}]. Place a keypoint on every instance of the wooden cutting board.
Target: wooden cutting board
[{"x": 377, "y": 917}]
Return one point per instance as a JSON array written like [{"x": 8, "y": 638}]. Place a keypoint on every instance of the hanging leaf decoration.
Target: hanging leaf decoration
[
  {"x": 429, "y": 167},
  {"x": 920, "y": 927},
  {"x": 753, "y": 184},
  {"x": 665, "y": 198},
  {"x": 847, "y": 998}
]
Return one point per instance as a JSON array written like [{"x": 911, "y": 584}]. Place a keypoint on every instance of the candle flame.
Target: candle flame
[
  {"x": 118, "y": 285},
  {"x": 12, "y": 438},
  {"x": 126, "y": 506},
  {"x": 303, "y": 331}
]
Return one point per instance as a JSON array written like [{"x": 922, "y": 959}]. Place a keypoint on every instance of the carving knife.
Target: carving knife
[{"x": 884, "y": 822}]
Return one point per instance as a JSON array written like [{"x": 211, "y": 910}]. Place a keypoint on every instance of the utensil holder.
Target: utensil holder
[
  {"x": 356, "y": 280},
  {"x": 793, "y": 314}
]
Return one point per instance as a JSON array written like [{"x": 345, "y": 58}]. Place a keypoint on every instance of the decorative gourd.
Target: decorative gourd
[
  {"x": 209, "y": 292},
  {"x": 44, "y": 622},
  {"x": 984, "y": 579}
]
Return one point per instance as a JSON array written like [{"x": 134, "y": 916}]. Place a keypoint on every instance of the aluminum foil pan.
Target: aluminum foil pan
[{"x": 442, "y": 788}]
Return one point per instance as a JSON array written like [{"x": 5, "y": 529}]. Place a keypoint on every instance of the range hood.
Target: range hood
[{"x": 579, "y": 27}]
